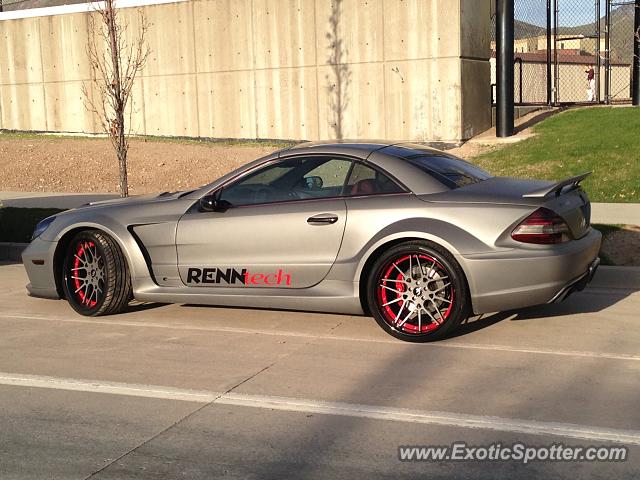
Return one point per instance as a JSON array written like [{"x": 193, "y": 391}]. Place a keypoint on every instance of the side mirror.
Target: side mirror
[{"x": 210, "y": 203}]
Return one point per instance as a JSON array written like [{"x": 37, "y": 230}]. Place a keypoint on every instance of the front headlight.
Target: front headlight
[{"x": 41, "y": 227}]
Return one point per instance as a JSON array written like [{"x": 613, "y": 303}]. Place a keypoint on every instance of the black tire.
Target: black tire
[
  {"x": 96, "y": 278},
  {"x": 420, "y": 307}
]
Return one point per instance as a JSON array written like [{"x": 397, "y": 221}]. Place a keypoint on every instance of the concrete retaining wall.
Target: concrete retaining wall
[{"x": 279, "y": 69}]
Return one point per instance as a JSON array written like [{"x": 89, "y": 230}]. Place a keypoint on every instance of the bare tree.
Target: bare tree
[{"x": 115, "y": 59}]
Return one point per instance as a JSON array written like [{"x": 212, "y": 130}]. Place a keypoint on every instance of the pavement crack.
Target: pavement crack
[
  {"x": 189, "y": 415},
  {"x": 153, "y": 437}
]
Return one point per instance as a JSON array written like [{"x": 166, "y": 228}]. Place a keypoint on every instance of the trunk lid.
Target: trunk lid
[{"x": 565, "y": 198}]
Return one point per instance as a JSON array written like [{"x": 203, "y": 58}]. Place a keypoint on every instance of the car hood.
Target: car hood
[{"x": 135, "y": 199}]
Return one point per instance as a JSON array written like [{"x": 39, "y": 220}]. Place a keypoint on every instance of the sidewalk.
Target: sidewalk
[{"x": 616, "y": 213}]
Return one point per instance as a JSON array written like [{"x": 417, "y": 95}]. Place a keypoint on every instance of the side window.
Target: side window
[
  {"x": 300, "y": 178},
  {"x": 365, "y": 180}
]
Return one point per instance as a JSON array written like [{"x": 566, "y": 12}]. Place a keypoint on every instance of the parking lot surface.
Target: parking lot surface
[{"x": 178, "y": 391}]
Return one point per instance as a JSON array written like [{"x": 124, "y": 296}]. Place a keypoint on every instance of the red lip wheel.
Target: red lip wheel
[
  {"x": 96, "y": 276},
  {"x": 417, "y": 292}
]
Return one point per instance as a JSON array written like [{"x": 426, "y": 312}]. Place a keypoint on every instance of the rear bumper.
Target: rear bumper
[
  {"x": 578, "y": 284},
  {"x": 521, "y": 278}
]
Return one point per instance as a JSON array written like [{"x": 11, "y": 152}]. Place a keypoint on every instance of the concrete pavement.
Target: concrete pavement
[
  {"x": 167, "y": 391},
  {"x": 616, "y": 213}
]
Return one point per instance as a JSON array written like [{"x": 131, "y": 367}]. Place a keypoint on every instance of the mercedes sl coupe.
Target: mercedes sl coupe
[{"x": 412, "y": 236}]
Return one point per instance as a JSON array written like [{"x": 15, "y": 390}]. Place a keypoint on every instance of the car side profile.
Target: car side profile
[{"x": 413, "y": 236}]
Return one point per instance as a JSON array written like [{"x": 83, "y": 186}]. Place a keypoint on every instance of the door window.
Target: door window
[
  {"x": 293, "y": 179},
  {"x": 365, "y": 180}
]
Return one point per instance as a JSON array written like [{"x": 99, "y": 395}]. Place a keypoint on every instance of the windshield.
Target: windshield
[{"x": 451, "y": 171}]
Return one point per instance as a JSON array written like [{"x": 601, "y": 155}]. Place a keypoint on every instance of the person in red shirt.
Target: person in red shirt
[{"x": 591, "y": 79}]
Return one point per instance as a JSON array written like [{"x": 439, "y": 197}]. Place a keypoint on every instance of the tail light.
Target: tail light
[{"x": 542, "y": 227}]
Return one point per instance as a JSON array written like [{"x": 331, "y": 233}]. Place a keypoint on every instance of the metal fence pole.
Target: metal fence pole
[
  {"x": 607, "y": 58},
  {"x": 556, "y": 65},
  {"x": 549, "y": 70},
  {"x": 597, "y": 51},
  {"x": 635, "y": 92},
  {"x": 504, "y": 73}
]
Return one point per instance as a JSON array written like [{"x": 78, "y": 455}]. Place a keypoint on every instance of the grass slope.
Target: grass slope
[{"x": 603, "y": 140}]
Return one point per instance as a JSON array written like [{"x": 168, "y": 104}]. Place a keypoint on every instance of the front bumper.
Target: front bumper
[{"x": 38, "y": 261}]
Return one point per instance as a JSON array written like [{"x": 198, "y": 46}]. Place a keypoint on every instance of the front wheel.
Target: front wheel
[
  {"x": 417, "y": 292},
  {"x": 96, "y": 276}
]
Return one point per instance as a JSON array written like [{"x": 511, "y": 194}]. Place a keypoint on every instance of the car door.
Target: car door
[{"x": 279, "y": 227}]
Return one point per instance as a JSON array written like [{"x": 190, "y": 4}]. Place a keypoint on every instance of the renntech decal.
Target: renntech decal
[{"x": 232, "y": 276}]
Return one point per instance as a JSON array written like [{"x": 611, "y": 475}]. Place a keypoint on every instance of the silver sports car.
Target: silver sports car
[{"x": 413, "y": 236}]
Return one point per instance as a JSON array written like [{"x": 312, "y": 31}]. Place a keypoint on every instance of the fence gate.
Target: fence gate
[{"x": 571, "y": 51}]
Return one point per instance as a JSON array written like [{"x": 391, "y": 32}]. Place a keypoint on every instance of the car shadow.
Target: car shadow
[
  {"x": 587, "y": 301},
  {"x": 141, "y": 307}
]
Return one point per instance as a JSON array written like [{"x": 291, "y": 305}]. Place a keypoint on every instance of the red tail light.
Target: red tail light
[{"x": 542, "y": 227}]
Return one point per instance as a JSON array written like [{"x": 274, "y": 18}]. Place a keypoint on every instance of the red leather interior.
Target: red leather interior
[{"x": 363, "y": 187}]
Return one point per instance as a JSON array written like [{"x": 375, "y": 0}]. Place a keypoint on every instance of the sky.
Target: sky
[{"x": 572, "y": 12}]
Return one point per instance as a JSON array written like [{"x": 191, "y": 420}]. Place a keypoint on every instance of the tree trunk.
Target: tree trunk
[{"x": 117, "y": 133}]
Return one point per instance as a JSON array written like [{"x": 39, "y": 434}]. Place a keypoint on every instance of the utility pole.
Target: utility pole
[
  {"x": 635, "y": 93},
  {"x": 504, "y": 74}
]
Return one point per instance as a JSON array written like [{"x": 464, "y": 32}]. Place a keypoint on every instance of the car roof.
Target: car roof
[{"x": 362, "y": 148}]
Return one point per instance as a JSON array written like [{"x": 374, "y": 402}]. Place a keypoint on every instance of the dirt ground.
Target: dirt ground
[
  {"x": 54, "y": 164},
  {"x": 622, "y": 247},
  {"x": 76, "y": 164}
]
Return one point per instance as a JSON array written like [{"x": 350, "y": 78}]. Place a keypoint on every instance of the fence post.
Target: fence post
[
  {"x": 549, "y": 48},
  {"x": 505, "y": 70},
  {"x": 607, "y": 56},
  {"x": 635, "y": 94}
]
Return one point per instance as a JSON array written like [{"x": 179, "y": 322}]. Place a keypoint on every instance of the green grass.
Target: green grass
[
  {"x": 17, "y": 224},
  {"x": 603, "y": 140}
]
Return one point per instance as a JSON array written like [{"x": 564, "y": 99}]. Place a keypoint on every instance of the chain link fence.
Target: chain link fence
[
  {"x": 582, "y": 48},
  {"x": 620, "y": 27}
]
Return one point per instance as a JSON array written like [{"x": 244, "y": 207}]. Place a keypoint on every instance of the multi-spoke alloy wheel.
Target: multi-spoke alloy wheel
[
  {"x": 87, "y": 274},
  {"x": 96, "y": 276},
  {"x": 416, "y": 292}
]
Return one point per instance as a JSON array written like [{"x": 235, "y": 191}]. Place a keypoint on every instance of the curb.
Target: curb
[
  {"x": 12, "y": 251},
  {"x": 605, "y": 277}
]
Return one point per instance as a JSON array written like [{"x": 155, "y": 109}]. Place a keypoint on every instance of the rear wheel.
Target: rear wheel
[
  {"x": 417, "y": 292},
  {"x": 96, "y": 276}
]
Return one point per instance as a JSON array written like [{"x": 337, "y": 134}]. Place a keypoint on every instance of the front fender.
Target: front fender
[{"x": 138, "y": 268}]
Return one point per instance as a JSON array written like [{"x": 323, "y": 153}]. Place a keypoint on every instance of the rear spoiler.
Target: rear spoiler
[{"x": 557, "y": 187}]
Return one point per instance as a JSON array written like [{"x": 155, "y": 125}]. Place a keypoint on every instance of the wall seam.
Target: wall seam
[
  {"x": 253, "y": 69},
  {"x": 44, "y": 92},
  {"x": 384, "y": 78},
  {"x": 195, "y": 67},
  {"x": 460, "y": 67},
  {"x": 315, "y": 50}
]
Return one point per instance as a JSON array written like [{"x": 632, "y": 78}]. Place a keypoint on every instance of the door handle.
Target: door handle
[{"x": 323, "y": 219}]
